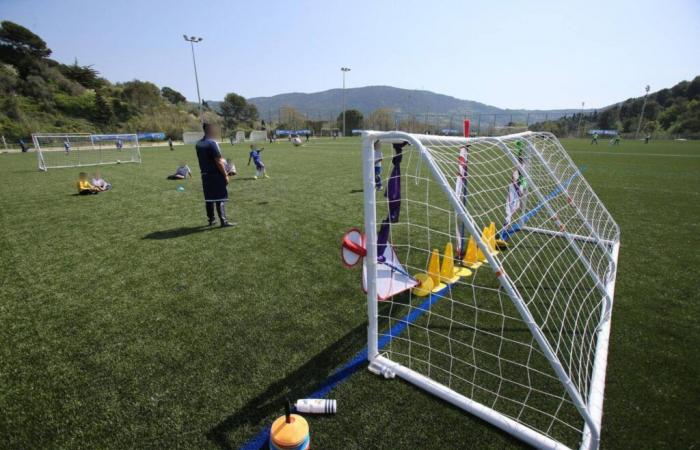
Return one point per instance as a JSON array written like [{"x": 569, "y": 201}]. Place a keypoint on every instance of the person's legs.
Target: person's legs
[
  {"x": 221, "y": 211},
  {"x": 210, "y": 213}
]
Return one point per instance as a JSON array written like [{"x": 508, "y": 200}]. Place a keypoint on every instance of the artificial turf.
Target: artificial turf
[{"x": 125, "y": 323}]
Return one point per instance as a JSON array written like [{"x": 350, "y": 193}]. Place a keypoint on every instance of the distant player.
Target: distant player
[
  {"x": 66, "y": 146},
  {"x": 23, "y": 146},
  {"x": 647, "y": 138},
  {"x": 84, "y": 186},
  {"x": 120, "y": 144},
  {"x": 594, "y": 139},
  {"x": 257, "y": 159},
  {"x": 181, "y": 172},
  {"x": 615, "y": 141},
  {"x": 378, "y": 156},
  {"x": 170, "y": 144},
  {"x": 99, "y": 182}
]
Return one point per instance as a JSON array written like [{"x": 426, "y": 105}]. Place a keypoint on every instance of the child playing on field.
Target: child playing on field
[
  {"x": 84, "y": 186},
  {"x": 99, "y": 182},
  {"x": 594, "y": 139},
  {"x": 229, "y": 167},
  {"x": 259, "y": 166},
  {"x": 181, "y": 172}
]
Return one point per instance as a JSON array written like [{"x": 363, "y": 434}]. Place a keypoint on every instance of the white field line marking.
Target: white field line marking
[{"x": 634, "y": 154}]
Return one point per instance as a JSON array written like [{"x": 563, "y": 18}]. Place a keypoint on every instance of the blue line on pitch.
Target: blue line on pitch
[{"x": 262, "y": 438}]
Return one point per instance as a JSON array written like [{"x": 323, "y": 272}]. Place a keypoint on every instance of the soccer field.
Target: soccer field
[{"x": 125, "y": 323}]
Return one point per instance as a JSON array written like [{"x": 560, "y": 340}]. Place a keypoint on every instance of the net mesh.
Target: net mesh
[
  {"x": 75, "y": 150},
  {"x": 471, "y": 337}
]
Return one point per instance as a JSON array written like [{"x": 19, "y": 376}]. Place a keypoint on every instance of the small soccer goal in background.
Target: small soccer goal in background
[
  {"x": 489, "y": 266},
  {"x": 77, "y": 149},
  {"x": 258, "y": 136}
]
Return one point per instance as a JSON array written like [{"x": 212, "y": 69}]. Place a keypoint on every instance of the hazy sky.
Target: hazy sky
[{"x": 515, "y": 54}]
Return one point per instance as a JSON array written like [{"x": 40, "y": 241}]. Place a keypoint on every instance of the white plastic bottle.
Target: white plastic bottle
[{"x": 316, "y": 406}]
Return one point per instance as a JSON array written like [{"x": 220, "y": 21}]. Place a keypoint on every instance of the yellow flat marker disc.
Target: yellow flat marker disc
[
  {"x": 425, "y": 287},
  {"x": 474, "y": 265},
  {"x": 451, "y": 280},
  {"x": 462, "y": 272},
  {"x": 289, "y": 434},
  {"x": 439, "y": 287}
]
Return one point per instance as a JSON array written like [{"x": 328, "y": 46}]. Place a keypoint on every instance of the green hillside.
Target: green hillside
[{"x": 38, "y": 93}]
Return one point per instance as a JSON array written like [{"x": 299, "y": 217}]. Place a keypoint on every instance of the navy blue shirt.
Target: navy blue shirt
[{"x": 207, "y": 154}]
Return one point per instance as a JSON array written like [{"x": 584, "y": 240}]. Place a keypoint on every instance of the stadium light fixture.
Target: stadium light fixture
[
  {"x": 344, "y": 70},
  {"x": 193, "y": 40},
  {"x": 641, "y": 114}
]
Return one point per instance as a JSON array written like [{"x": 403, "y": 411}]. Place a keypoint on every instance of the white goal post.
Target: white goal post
[
  {"x": 258, "y": 136},
  {"x": 61, "y": 150},
  {"x": 515, "y": 324}
]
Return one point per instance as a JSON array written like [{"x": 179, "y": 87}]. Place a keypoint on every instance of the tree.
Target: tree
[
  {"x": 142, "y": 93},
  {"x": 382, "y": 119},
  {"x": 353, "y": 120},
  {"x": 172, "y": 95},
  {"x": 236, "y": 112},
  {"x": 103, "y": 110},
  {"x": 290, "y": 118},
  {"x": 17, "y": 42},
  {"x": 84, "y": 75}
]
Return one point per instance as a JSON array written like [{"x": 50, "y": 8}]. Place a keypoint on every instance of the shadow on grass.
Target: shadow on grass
[
  {"x": 356, "y": 191},
  {"x": 314, "y": 374},
  {"x": 176, "y": 232}
]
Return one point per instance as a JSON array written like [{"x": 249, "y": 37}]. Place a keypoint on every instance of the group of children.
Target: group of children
[
  {"x": 94, "y": 186},
  {"x": 97, "y": 184}
]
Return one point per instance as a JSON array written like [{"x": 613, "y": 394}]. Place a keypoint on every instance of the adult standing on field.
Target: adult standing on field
[{"x": 214, "y": 177}]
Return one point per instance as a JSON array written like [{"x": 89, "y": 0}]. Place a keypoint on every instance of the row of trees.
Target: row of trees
[{"x": 672, "y": 111}]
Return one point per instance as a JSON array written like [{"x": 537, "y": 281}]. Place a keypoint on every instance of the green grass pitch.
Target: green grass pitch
[{"x": 124, "y": 323}]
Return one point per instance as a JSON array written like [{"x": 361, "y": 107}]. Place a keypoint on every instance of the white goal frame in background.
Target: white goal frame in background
[
  {"x": 258, "y": 136},
  {"x": 570, "y": 218},
  {"x": 85, "y": 149}
]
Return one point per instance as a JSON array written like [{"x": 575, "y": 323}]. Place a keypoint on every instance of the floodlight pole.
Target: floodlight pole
[
  {"x": 580, "y": 117},
  {"x": 344, "y": 69},
  {"x": 193, "y": 40},
  {"x": 641, "y": 114}
]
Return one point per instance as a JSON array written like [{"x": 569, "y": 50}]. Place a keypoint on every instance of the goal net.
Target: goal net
[
  {"x": 76, "y": 150},
  {"x": 258, "y": 136},
  {"x": 240, "y": 137},
  {"x": 494, "y": 264}
]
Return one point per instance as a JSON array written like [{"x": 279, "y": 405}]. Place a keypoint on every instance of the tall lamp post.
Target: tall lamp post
[
  {"x": 344, "y": 70},
  {"x": 641, "y": 114},
  {"x": 579, "y": 118},
  {"x": 194, "y": 40}
]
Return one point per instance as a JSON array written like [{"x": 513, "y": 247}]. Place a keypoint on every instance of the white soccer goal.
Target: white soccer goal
[
  {"x": 258, "y": 136},
  {"x": 240, "y": 137},
  {"x": 58, "y": 150},
  {"x": 517, "y": 331},
  {"x": 191, "y": 137}
]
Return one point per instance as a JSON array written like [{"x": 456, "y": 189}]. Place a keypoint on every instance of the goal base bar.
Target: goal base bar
[
  {"x": 382, "y": 366},
  {"x": 44, "y": 169}
]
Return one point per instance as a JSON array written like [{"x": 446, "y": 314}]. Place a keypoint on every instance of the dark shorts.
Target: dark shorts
[
  {"x": 260, "y": 166},
  {"x": 214, "y": 186}
]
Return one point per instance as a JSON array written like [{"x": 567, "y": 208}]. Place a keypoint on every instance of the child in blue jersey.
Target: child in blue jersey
[
  {"x": 66, "y": 146},
  {"x": 257, "y": 159}
]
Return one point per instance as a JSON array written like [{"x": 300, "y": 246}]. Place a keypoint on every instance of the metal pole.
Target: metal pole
[
  {"x": 344, "y": 69},
  {"x": 192, "y": 41},
  {"x": 641, "y": 115},
  {"x": 580, "y": 117}
]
